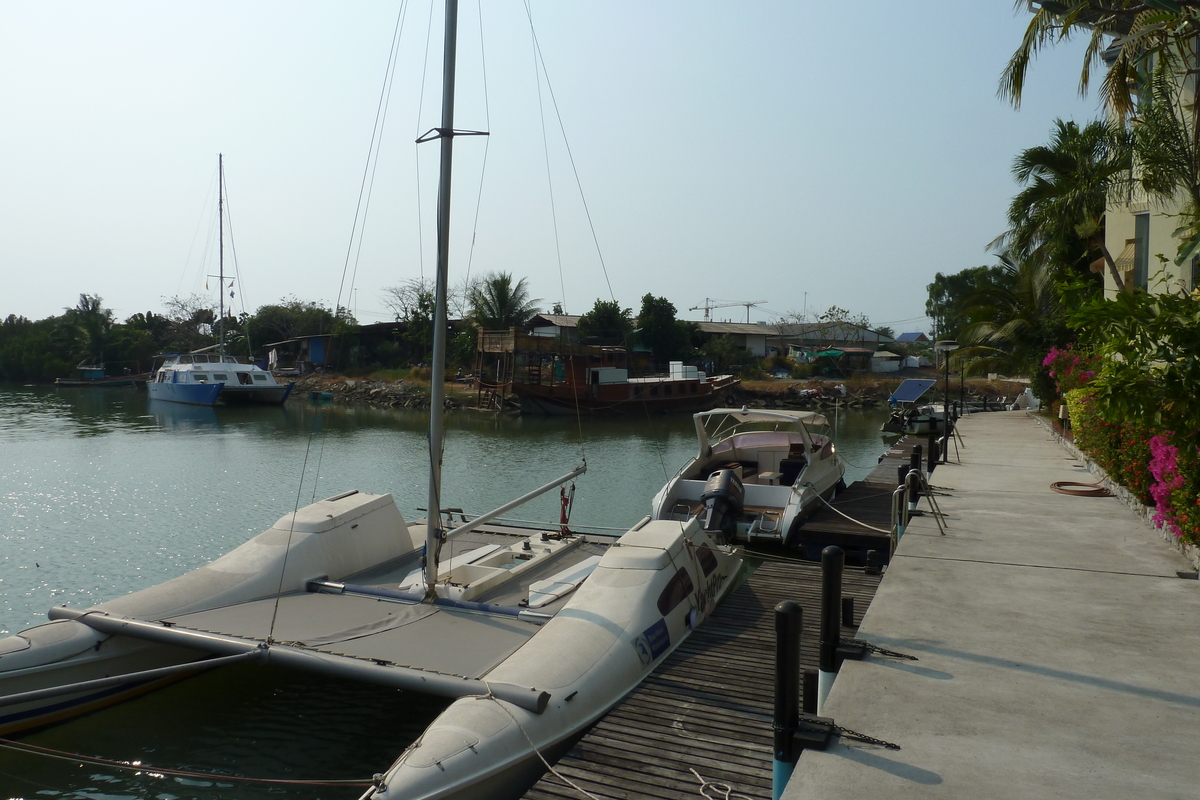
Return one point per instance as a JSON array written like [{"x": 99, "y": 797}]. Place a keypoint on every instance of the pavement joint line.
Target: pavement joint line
[{"x": 1039, "y": 566}]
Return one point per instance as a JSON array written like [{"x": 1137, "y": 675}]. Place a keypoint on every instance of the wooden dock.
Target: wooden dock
[
  {"x": 708, "y": 706},
  {"x": 865, "y": 503}
]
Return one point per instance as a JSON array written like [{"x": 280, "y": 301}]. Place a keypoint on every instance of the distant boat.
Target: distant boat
[
  {"x": 556, "y": 378},
  {"x": 93, "y": 376},
  {"x": 202, "y": 378},
  {"x": 909, "y": 418}
]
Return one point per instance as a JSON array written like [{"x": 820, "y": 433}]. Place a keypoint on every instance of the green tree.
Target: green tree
[
  {"x": 291, "y": 318},
  {"x": 498, "y": 304},
  {"x": 725, "y": 355},
  {"x": 1150, "y": 360},
  {"x": 606, "y": 324},
  {"x": 948, "y": 296},
  {"x": 89, "y": 324},
  {"x": 1058, "y": 216},
  {"x": 1016, "y": 321},
  {"x": 666, "y": 337}
]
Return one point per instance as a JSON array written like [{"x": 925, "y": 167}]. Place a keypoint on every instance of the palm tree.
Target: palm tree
[
  {"x": 1058, "y": 217},
  {"x": 498, "y": 304},
  {"x": 1013, "y": 321},
  {"x": 91, "y": 323}
]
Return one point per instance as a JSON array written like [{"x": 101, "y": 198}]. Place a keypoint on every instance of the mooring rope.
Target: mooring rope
[
  {"x": 47, "y": 752},
  {"x": 844, "y": 514}
]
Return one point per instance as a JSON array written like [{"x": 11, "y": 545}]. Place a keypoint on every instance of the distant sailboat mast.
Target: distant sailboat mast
[{"x": 221, "y": 247}]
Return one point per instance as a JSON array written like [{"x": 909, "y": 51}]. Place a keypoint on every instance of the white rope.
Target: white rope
[
  {"x": 844, "y": 514},
  {"x": 726, "y": 791},
  {"x": 549, "y": 767}
]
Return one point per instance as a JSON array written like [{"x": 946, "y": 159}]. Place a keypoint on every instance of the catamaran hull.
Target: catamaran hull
[
  {"x": 648, "y": 592},
  {"x": 255, "y": 395},
  {"x": 196, "y": 394}
]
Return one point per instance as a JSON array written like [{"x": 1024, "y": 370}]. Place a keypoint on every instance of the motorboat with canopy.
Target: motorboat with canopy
[{"x": 757, "y": 475}]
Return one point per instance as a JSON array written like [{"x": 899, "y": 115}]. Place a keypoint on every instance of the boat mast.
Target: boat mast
[
  {"x": 437, "y": 388},
  {"x": 221, "y": 246}
]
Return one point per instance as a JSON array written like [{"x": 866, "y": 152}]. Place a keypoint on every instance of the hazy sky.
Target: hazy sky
[{"x": 788, "y": 152}]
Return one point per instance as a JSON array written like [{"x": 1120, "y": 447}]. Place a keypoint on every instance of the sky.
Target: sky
[{"x": 775, "y": 153}]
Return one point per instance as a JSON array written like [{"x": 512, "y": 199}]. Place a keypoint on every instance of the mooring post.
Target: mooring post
[
  {"x": 833, "y": 559},
  {"x": 788, "y": 621},
  {"x": 874, "y": 563},
  {"x": 933, "y": 453}
]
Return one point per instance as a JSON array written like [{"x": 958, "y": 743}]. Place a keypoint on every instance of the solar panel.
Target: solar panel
[{"x": 911, "y": 390}]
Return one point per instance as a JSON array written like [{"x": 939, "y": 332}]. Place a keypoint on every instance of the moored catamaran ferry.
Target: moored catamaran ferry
[{"x": 201, "y": 378}]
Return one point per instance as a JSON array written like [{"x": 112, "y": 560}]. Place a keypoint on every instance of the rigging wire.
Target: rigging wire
[
  {"x": 373, "y": 149},
  {"x": 62, "y": 755},
  {"x": 487, "y": 141},
  {"x": 537, "y": 77},
  {"x": 241, "y": 294},
  {"x": 570, "y": 156}
]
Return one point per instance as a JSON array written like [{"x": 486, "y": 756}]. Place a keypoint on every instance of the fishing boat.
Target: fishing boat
[
  {"x": 757, "y": 475},
  {"x": 95, "y": 376},
  {"x": 532, "y": 632},
  {"x": 204, "y": 378}
]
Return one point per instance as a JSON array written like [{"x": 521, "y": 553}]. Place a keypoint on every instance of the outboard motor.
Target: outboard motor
[{"x": 723, "y": 497}]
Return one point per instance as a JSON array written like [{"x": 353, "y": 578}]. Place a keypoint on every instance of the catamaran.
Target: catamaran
[{"x": 534, "y": 634}]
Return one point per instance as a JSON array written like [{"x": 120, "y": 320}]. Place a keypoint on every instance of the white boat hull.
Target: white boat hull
[{"x": 599, "y": 647}]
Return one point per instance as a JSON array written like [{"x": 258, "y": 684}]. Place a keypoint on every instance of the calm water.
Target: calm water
[{"x": 103, "y": 492}]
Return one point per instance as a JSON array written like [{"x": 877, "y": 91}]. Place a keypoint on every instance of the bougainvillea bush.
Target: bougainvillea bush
[{"x": 1144, "y": 461}]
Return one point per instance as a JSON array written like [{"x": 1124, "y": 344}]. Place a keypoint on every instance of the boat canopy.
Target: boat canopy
[{"x": 742, "y": 415}]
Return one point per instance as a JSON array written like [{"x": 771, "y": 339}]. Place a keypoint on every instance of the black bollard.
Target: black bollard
[
  {"x": 833, "y": 559},
  {"x": 901, "y": 474},
  {"x": 788, "y": 623},
  {"x": 874, "y": 563},
  {"x": 934, "y": 455}
]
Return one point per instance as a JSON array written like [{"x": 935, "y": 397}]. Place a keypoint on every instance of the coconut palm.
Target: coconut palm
[
  {"x": 90, "y": 323},
  {"x": 497, "y": 303},
  {"x": 1014, "y": 321},
  {"x": 1058, "y": 217}
]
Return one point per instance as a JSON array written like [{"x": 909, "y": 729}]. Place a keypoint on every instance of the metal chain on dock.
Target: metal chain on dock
[
  {"x": 846, "y": 733},
  {"x": 876, "y": 649}
]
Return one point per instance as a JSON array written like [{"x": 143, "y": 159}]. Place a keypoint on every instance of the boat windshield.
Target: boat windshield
[{"x": 716, "y": 426}]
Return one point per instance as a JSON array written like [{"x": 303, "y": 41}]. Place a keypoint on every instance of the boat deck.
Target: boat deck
[{"x": 708, "y": 706}]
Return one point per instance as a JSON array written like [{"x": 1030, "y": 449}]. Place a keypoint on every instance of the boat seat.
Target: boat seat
[{"x": 790, "y": 469}]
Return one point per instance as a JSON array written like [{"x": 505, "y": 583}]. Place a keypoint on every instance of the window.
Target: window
[
  {"x": 260, "y": 377},
  {"x": 220, "y": 376},
  {"x": 200, "y": 377},
  {"x": 675, "y": 592},
  {"x": 1141, "y": 251}
]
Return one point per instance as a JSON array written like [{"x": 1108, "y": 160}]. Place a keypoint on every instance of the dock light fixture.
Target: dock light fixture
[{"x": 945, "y": 347}]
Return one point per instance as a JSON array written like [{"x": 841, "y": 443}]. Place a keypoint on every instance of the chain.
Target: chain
[
  {"x": 862, "y": 737},
  {"x": 876, "y": 649}
]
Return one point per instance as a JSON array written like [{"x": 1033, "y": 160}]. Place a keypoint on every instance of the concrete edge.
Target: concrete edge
[{"x": 1189, "y": 551}]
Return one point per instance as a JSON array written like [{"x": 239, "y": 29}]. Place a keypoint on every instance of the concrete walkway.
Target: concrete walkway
[{"x": 1059, "y": 649}]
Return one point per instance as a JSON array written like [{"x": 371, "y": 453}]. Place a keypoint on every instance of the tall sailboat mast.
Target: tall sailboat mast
[
  {"x": 221, "y": 246},
  {"x": 437, "y": 388}
]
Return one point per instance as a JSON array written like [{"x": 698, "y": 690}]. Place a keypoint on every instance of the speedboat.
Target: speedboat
[{"x": 757, "y": 475}]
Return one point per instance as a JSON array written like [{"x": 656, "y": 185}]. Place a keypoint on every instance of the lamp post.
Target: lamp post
[{"x": 945, "y": 347}]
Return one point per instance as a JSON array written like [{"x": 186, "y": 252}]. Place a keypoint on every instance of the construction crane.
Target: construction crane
[{"x": 709, "y": 305}]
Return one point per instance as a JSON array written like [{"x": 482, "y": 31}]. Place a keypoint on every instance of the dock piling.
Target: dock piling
[
  {"x": 833, "y": 560},
  {"x": 788, "y": 624}
]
